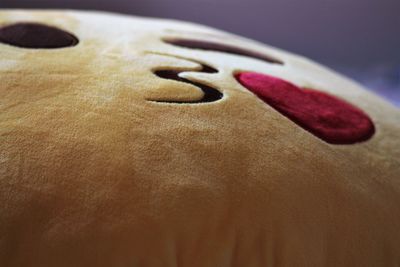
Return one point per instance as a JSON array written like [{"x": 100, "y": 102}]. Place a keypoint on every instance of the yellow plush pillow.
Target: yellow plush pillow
[{"x": 134, "y": 142}]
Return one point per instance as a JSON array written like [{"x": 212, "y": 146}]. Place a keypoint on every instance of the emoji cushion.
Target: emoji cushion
[{"x": 130, "y": 141}]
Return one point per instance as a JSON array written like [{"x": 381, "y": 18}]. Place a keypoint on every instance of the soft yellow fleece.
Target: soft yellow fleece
[{"x": 94, "y": 175}]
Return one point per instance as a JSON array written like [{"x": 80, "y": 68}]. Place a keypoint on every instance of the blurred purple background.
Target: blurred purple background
[{"x": 360, "y": 38}]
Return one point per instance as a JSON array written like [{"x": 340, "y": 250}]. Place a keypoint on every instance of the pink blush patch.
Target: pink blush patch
[{"x": 327, "y": 117}]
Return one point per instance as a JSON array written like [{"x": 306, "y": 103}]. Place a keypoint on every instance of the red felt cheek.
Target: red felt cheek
[{"x": 327, "y": 117}]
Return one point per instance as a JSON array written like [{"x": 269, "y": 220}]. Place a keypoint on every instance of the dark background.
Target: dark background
[{"x": 360, "y": 38}]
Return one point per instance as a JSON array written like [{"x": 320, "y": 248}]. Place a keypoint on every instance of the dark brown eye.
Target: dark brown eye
[
  {"x": 36, "y": 36},
  {"x": 210, "y": 94},
  {"x": 229, "y": 49}
]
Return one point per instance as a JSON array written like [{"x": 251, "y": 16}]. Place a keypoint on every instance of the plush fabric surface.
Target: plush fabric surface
[{"x": 99, "y": 166}]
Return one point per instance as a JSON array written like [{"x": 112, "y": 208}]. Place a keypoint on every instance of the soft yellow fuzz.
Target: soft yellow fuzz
[{"x": 94, "y": 175}]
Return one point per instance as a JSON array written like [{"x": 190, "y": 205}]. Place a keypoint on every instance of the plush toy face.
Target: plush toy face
[{"x": 140, "y": 142}]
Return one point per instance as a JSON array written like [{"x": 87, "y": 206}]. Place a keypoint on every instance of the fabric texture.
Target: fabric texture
[{"x": 95, "y": 172}]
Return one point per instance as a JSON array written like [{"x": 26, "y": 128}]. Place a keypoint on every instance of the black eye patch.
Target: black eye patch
[
  {"x": 212, "y": 46},
  {"x": 36, "y": 36}
]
